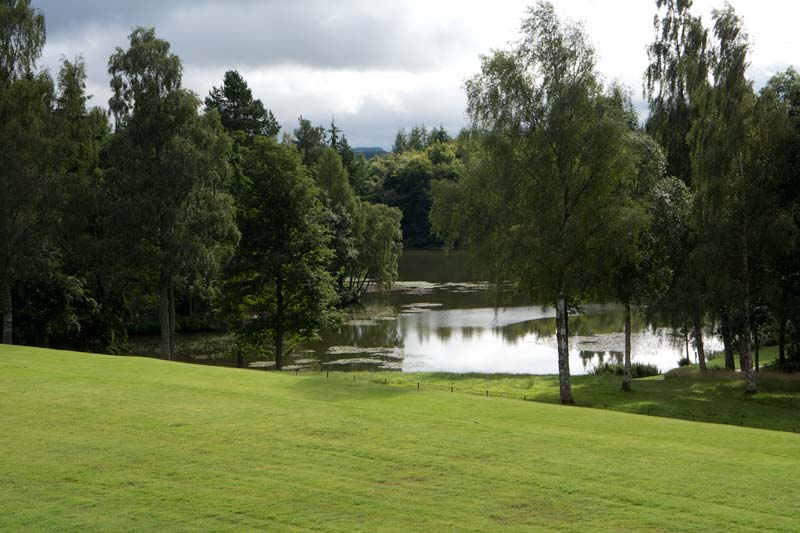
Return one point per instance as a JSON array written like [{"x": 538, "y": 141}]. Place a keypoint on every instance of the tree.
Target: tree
[
  {"x": 778, "y": 113},
  {"x": 167, "y": 173},
  {"x": 641, "y": 268},
  {"x": 678, "y": 66},
  {"x": 379, "y": 244},
  {"x": 333, "y": 135},
  {"x": 542, "y": 204},
  {"x": 676, "y": 74},
  {"x": 724, "y": 171},
  {"x": 238, "y": 110},
  {"x": 331, "y": 177},
  {"x": 405, "y": 181},
  {"x": 282, "y": 292},
  {"x": 25, "y": 160},
  {"x": 310, "y": 140},
  {"x": 400, "y": 142}
]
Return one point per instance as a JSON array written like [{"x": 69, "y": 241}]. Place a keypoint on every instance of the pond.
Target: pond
[{"x": 438, "y": 318}]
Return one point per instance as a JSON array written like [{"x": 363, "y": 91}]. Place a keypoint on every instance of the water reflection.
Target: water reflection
[
  {"x": 453, "y": 325},
  {"x": 448, "y": 323}
]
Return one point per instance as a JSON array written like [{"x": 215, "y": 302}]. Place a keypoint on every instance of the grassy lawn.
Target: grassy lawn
[
  {"x": 719, "y": 397},
  {"x": 95, "y": 442},
  {"x": 716, "y": 360}
]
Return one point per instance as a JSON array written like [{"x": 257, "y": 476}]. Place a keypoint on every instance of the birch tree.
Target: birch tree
[{"x": 542, "y": 202}]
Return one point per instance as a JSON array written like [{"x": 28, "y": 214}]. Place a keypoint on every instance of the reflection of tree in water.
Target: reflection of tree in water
[
  {"x": 467, "y": 333},
  {"x": 382, "y": 333},
  {"x": 512, "y": 333},
  {"x": 444, "y": 333},
  {"x": 588, "y": 357}
]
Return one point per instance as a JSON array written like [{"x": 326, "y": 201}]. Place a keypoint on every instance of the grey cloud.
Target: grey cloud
[{"x": 252, "y": 33}]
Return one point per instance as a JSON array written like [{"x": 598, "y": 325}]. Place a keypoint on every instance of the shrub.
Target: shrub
[
  {"x": 684, "y": 361},
  {"x": 638, "y": 370}
]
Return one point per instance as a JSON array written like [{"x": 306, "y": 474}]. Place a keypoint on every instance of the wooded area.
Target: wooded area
[{"x": 169, "y": 212}]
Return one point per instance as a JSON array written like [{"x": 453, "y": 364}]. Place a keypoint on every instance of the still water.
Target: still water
[{"x": 438, "y": 318}]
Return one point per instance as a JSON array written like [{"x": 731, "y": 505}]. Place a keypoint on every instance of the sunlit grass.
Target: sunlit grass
[{"x": 109, "y": 443}]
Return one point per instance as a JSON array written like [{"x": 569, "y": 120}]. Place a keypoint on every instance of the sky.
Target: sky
[{"x": 375, "y": 66}]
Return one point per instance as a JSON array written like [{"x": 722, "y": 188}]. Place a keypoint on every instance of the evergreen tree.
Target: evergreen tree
[
  {"x": 310, "y": 140},
  {"x": 281, "y": 290},
  {"x": 238, "y": 110}
]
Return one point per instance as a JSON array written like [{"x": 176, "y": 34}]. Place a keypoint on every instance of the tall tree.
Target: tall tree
[
  {"x": 379, "y": 243},
  {"x": 400, "y": 142},
  {"x": 724, "y": 170},
  {"x": 676, "y": 75},
  {"x": 678, "y": 66},
  {"x": 310, "y": 140},
  {"x": 641, "y": 269},
  {"x": 543, "y": 202},
  {"x": 238, "y": 110},
  {"x": 281, "y": 289},
  {"x": 167, "y": 172},
  {"x": 25, "y": 160},
  {"x": 778, "y": 114}
]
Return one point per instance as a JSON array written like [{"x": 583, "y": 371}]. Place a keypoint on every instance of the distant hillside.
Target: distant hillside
[{"x": 370, "y": 151}]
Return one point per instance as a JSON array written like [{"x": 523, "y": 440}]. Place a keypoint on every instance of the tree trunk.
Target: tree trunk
[
  {"x": 172, "y": 326},
  {"x": 686, "y": 340},
  {"x": 757, "y": 342},
  {"x": 747, "y": 362},
  {"x": 727, "y": 340},
  {"x": 562, "y": 332},
  {"x": 8, "y": 314},
  {"x": 744, "y": 342},
  {"x": 782, "y": 341},
  {"x": 279, "y": 322},
  {"x": 164, "y": 318},
  {"x": 626, "y": 373},
  {"x": 698, "y": 342}
]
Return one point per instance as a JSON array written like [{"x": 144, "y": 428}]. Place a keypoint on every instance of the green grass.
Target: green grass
[
  {"x": 716, "y": 360},
  {"x": 717, "y": 398},
  {"x": 94, "y": 442}
]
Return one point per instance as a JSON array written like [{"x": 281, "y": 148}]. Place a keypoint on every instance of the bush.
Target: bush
[
  {"x": 638, "y": 370},
  {"x": 790, "y": 365},
  {"x": 684, "y": 361}
]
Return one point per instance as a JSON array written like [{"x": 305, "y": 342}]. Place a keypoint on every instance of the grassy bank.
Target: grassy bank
[
  {"x": 718, "y": 398},
  {"x": 109, "y": 443}
]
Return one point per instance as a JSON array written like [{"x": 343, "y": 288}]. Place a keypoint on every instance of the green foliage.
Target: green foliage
[
  {"x": 168, "y": 174},
  {"x": 405, "y": 180},
  {"x": 638, "y": 370},
  {"x": 238, "y": 110},
  {"x": 281, "y": 291},
  {"x": 541, "y": 204},
  {"x": 22, "y": 38},
  {"x": 678, "y": 67},
  {"x": 380, "y": 244},
  {"x": 332, "y": 178},
  {"x": 310, "y": 140},
  {"x": 26, "y": 159}
]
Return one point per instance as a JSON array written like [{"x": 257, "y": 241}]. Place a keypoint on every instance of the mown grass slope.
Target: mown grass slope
[
  {"x": 94, "y": 442},
  {"x": 682, "y": 393}
]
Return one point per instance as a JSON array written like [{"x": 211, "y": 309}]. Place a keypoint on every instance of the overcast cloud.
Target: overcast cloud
[{"x": 376, "y": 66}]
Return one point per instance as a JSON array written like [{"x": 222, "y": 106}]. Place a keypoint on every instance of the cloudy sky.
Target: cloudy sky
[{"x": 375, "y": 65}]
